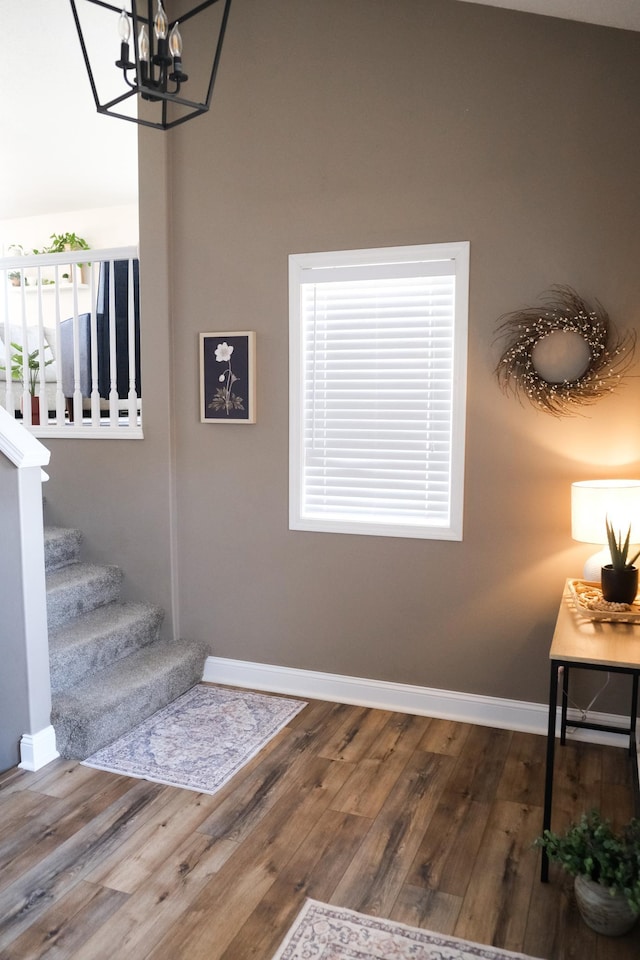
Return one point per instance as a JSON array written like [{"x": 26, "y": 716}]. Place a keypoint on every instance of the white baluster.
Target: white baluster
[
  {"x": 60, "y": 398},
  {"x": 41, "y": 358},
  {"x": 77, "y": 386},
  {"x": 113, "y": 368},
  {"x": 26, "y": 396},
  {"x": 95, "y": 390},
  {"x": 9, "y": 402},
  {"x": 131, "y": 336}
]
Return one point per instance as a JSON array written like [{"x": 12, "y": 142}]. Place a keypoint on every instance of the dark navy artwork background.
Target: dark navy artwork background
[{"x": 214, "y": 369}]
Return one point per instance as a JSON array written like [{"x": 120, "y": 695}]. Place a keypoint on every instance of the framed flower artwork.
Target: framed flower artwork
[{"x": 227, "y": 377}]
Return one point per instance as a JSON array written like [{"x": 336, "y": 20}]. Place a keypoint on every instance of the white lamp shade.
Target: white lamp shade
[{"x": 593, "y": 501}]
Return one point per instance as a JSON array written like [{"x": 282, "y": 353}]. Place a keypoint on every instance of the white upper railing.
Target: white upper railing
[{"x": 70, "y": 343}]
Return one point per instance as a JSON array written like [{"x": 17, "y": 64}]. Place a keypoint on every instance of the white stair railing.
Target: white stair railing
[{"x": 69, "y": 343}]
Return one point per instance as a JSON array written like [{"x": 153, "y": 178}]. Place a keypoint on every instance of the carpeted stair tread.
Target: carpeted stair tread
[
  {"x": 109, "y": 669},
  {"x": 79, "y": 587},
  {"x": 101, "y": 636},
  {"x": 61, "y": 546},
  {"x": 104, "y": 705}
]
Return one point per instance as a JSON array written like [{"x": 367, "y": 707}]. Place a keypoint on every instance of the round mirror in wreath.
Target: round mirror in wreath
[{"x": 563, "y": 354}]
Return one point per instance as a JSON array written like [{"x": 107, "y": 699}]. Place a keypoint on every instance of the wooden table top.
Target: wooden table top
[{"x": 594, "y": 641}]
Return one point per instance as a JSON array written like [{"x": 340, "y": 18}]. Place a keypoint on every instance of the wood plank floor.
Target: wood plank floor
[{"x": 424, "y": 821}]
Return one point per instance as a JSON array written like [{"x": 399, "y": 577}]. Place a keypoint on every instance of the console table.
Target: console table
[{"x": 588, "y": 645}]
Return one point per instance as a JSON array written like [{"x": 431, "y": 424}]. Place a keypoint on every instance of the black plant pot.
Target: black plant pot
[{"x": 619, "y": 586}]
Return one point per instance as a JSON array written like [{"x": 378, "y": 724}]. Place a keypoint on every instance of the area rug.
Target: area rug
[
  {"x": 322, "y": 932},
  {"x": 200, "y": 740}
]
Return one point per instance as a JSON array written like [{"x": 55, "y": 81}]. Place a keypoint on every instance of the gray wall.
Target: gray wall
[{"x": 365, "y": 123}]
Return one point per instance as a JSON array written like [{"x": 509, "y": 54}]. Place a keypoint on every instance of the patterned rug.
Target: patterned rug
[
  {"x": 322, "y": 932},
  {"x": 200, "y": 740}
]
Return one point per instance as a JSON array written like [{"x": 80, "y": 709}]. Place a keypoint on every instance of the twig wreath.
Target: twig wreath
[{"x": 562, "y": 355}]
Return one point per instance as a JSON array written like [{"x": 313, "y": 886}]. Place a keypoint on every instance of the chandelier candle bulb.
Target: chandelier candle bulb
[
  {"x": 175, "y": 43},
  {"x": 143, "y": 54},
  {"x": 124, "y": 30},
  {"x": 160, "y": 29},
  {"x": 143, "y": 44},
  {"x": 175, "y": 46},
  {"x": 124, "y": 27},
  {"x": 161, "y": 24}
]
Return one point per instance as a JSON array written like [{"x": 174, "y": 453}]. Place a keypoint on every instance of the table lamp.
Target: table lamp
[{"x": 592, "y": 502}]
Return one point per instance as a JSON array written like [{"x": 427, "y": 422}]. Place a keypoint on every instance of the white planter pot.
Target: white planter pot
[{"x": 611, "y": 916}]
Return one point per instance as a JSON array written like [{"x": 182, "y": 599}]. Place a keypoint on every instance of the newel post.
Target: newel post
[{"x": 26, "y": 734}]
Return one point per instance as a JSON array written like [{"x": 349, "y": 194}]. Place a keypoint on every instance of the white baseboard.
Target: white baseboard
[
  {"x": 405, "y": 698},
  {"x": 38, "y": 749}
]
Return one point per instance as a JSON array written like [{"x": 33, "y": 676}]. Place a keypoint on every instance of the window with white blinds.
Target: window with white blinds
[{"x": 378, "y": 387}]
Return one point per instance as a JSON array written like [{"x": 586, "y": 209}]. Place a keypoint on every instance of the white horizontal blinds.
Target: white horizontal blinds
[{"x": 377, "y": 393}]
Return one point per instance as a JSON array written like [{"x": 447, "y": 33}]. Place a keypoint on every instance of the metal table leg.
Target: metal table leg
[
  {"x": 551, "y": 744},
  {"x": 565, "y": 704},
  {"x": 633, "y": 716}
]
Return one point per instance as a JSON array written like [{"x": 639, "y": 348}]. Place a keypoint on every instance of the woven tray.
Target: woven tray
[{"x": 588, "y": 601}]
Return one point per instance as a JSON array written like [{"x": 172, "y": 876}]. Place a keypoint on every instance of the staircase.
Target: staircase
[{"x": 109, "y": 668}]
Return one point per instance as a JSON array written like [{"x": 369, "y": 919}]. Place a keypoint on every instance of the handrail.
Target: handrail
[
  {"x": 19, "y": 445},
  {"x": 27, "y": 260}
]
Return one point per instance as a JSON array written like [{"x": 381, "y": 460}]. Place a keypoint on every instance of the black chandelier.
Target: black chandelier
[{"x": 150, "y": 62}]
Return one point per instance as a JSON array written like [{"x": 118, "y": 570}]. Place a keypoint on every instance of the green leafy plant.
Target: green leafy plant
[
  {"x": 66, "y": 241},
  {"x": 592, "y": 848},
  {"x": 619, "y": 551},
  {"x": 62, "y": 242},
  {"x": 33, "y": 365}
]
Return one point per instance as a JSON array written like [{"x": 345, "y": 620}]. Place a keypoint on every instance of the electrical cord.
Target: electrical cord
[{"x": 585, "y": 710}]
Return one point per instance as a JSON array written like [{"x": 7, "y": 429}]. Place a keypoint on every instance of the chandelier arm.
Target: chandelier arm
[
  {"x": 179, "y": 120},
  {"x": 112, "y": 103},
  {"x": 158, "y": 95},
  {"x": 87, "y": 63},
  {"x": 107, "y": 6},
  {"x": 134, "y": 86},
  {"x": 195, "y": 10},
  {"x": 216, "y": 60},
  {"x": 138, "y": 120}
]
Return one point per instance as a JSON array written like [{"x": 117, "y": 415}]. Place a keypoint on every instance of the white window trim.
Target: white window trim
[{"x": 338, "y": 262}]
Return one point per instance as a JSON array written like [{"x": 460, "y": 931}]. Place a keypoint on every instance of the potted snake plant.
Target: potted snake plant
[{"x": 619, "y": 579}]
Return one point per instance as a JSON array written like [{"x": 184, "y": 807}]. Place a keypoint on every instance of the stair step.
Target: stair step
[
  {"x": 103, "y": 706},
  {"x": 61, "y": 546},
  {"x": 78, "y": 588},
  {"x": 93, "y": 640}
]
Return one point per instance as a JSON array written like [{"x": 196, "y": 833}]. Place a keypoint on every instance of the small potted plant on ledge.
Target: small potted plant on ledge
[
  {"x": 606, "y": 867},
  {"x": 33, "y": 366},
  {"x": 619, "y": 579},
  {"x": 69, "y": 241}
]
